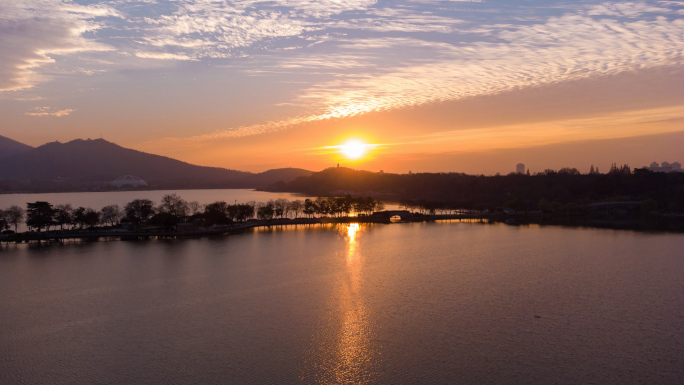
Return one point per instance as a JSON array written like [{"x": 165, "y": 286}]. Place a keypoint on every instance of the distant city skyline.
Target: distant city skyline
[
  {"x": 665, "y": 167},
  {"x": 427, "y": 86}
]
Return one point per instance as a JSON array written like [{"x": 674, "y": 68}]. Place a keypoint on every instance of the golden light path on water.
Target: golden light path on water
[
  {"x": 342, "y": 351},
  {"x": 344, "y": 354},
  {"x": 355, "y": 354}
]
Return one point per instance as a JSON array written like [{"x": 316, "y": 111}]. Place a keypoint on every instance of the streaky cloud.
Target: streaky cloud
[
  {"x": 162, "y": 56},
  {"x": 31, "y": 31},
  {"x": 566, "y": 48},
  {"x": 47, "y": 111}
]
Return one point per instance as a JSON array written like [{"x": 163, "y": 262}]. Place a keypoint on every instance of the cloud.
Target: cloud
[
  {"x": 48, "y": 111},
  {"x": 625, "y": 9},
  {"x": 364, "y": 75},
  {"x": 214, "y": 34},
  {"x": 31, "y": 31},
  {"x": 348, "y": 57},
  {"x": 238, "y": 132},
  {"x": 566, "y": 48},
  {"x": 214, "y": 29},
  {"x": 439, "y": 1},
  {"x": 399, "y": 20},
  {"x": 162, "y": 56},
  {"x": 570, "y": 47},
  {"x": 317, "y": 8},
  {"x": 611, "y": 126}
]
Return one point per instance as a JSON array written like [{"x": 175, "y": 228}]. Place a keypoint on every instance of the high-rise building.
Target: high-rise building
[
  {"x": 665, "y": 167},
  {"x": 520, "y": 168}
]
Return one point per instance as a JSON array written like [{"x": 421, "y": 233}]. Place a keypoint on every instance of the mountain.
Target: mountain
[
  {"x": 100, "y": 160},
  {"x": 274, "y": 176},
  {"x": 9, "y": 147},
  {"x": 86, "y": 164}
]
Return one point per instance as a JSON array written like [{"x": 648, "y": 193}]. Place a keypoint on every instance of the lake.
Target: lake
[
  {"x": 441, "y": 302},
  {"x": 97, "y": 200}
]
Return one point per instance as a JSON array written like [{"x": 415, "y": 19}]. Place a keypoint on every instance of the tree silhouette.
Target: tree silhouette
[
  {"x": 174, "y": 205},
  {"x": 14, "y": 215},
  {"x": 296, "y": 207},
  {"x": 139, "y": 211},
  {"x": 40, "y": 214},
  {"x": 91, "y": 217},
  {"x": 64, "y": 215},
  {"x": 265, "y": 211},
  {"x": 111, "y": 214},
  {"x": 195, "y": 207},
  {"x": 218, "y": 213},
  {"x": 245, "y": 211},
  {"x": 4, "y": 225},
  {"x": 309, "y": 207}
]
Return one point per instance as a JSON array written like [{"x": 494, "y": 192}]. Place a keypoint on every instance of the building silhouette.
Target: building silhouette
[
  {"x": 128, "y": 180},
  {"x": 520, "y": 168},
  {"x": 665, "y": 167}
]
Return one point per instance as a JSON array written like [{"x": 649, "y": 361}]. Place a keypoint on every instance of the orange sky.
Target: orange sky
[
  {"x": 485, "y": 134},
  {"x": 459, "y": 86}
]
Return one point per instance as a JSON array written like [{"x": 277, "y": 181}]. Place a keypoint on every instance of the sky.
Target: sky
[{"x": 423, "y": 85}]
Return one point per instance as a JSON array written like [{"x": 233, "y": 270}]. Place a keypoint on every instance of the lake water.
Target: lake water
[
  {"x": 100, "y": 199},
  {"x": 444, "y": 302}
]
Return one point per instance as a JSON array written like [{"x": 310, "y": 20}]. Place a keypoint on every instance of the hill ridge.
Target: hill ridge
[
  {"x": 9, "y": 147},
  {"x": 98, "y": 160}
]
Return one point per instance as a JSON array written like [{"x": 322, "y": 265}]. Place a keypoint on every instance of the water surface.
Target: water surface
[
  {"x": 426, "y": 303},
  {"x": 97, "y": 200}
]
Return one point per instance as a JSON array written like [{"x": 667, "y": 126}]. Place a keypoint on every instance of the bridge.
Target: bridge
[{"x": 388, "y": 214}]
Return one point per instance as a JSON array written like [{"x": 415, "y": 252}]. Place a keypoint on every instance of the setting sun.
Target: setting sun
[{"x": 353, "y": 149}]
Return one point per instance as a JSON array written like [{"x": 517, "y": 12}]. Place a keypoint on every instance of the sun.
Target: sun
[{"x": 353, "y": 149}]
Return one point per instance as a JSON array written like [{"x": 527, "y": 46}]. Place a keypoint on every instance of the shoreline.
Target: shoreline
[
  {"x": 95, "y": 235},
  {"x": 655, "y": 224},
  {"x": 121, "y": 234}
]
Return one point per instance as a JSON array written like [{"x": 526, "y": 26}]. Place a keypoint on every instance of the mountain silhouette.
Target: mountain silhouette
[
  {"x": 9, "y": 147},
  {"x": 97, "y": 160},
  {"x": 270, "y": 177}
]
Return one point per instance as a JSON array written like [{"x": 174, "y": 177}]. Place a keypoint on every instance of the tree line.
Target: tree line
[
  {"x": 173, "y": 210},
  {"x": 550, "y": 190}
]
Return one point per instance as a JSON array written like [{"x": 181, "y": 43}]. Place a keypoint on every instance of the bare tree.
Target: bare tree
[
  {"x": 65, "y": 215},
  {"x": 111, "y": 214},
  {"x": 195, "y": 207},
  {"x": 265, "y": 211},
  {"x": 14, "y": 215},
  {"x": 296, "y": 207},
  {"x": 174, "y": 205},
  {"x": 3, "y": 221},
  {"x": 310, "y": 207},
  {"x": 281, "y": 207}
]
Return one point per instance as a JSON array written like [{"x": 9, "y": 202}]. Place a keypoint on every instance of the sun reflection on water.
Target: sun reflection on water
[
  {"x": 343, "y": 350},
  {"x": 352, "y": 230},
  {"x": 355, "y": 355},
  {"x": 348, "y": 356}
]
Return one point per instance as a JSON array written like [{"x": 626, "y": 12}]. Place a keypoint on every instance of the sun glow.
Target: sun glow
[{"x": 353, "y": 149}]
